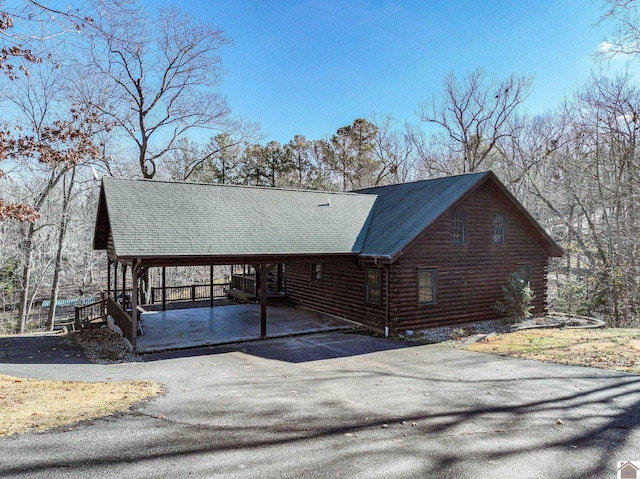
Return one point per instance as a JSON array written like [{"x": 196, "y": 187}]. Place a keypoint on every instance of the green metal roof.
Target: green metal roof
[
  {"x": 153, "y": 218},
  {"x": 403, "y": 210}
]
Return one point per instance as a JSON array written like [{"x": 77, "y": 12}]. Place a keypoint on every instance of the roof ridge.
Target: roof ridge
[
  {"x": 472, "y": 173},
  {"x": 248, "y": 187}
]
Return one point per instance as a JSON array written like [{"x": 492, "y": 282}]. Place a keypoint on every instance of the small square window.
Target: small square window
[
  {"x": 458, "y": 228},
  {"x": 316, "y": 272},
  {"x": 499, "y": 228},
  {"x": 374, "y": 286},
  {"x": 427, "y": 283}
]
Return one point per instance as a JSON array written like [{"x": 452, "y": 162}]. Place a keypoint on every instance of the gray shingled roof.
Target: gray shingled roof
[
  {"x": 151, "y": 218},
  {"x": 402, "y": 211}
]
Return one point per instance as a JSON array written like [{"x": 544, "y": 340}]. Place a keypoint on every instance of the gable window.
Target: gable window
[
  {"x": 458, "y": 228},
  {"x": 524, "y": 272},
  {"x": 373, "y": 284},
  {"x": 316, "y": 272},
  {"x": 499, "y": 228},
  {"x": 427, "y": 283}
]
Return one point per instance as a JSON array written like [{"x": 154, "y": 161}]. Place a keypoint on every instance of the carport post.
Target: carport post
[
  {"x": 262, "y": 276},
  {"x": 164, "y": 288},
  {"x": 135, "y": 278},
  {"x": 108, "y": 277},
  {"x": 211, "y": 286},
  {"x": 124, "y": 285},
  {"x": 115, "y": 281}
]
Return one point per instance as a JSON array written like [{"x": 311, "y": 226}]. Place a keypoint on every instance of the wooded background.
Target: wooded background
[{"x": 112, "y": 88}]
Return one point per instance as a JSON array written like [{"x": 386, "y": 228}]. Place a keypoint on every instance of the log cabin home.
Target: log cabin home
[{"x": 392, "y": 258}]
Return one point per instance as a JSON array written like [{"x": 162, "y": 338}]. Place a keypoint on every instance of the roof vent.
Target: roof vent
[{"x": 328, "y": 203}]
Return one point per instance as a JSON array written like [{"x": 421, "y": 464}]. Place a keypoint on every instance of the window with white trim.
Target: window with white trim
[
  {"x": 499, "y": 228},
  {"x": 458, "y": 228}
]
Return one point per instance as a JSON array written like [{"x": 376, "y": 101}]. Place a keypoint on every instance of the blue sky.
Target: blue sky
[{"x": 312, "y": 66}]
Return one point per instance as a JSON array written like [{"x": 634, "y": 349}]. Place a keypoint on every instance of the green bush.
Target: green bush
[
  {"x": 572, "y": 297},
  {"x": 517, "y": 299}
]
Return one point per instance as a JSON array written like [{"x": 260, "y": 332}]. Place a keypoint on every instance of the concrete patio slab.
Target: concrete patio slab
[{"x": 188, "y": 328}]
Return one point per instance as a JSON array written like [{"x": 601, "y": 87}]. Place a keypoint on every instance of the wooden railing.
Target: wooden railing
[
  {"x": 245, "y": 283},
  {"x": 90, "y": 312},
  {"x": 193, "y": 292},
  {"x": 122, "y": 319}
]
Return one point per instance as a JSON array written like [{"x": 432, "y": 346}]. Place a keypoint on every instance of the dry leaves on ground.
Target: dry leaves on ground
[
  {"x": 609, "y": 348},
  {"x": 34, "y": 404}
]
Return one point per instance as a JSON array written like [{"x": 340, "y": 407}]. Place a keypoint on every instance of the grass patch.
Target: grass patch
[
  {"x": 608, "y": 348},
  {"x": 35, "y": 404}
]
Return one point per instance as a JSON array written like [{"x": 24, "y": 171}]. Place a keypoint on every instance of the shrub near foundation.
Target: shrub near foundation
[{"x": 517, "y": 299}]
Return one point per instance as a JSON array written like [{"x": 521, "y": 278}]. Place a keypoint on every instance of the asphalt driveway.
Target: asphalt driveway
[{"x": 342, "y": 405}]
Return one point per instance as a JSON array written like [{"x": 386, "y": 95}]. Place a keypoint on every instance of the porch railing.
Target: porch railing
[
  {"x": 90, "y": 312},
  {"x": 122, "y": 319},
  {"x": 245, "y": 283},
  {"x": 193, "y": 292}
]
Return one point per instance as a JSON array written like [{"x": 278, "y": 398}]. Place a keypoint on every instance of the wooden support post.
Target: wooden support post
[
  {"x": 109, "y": 262},
  {"x": 143, "y": 274},
  {"x": 244, "y": 278},
  {"x": 134, "y": 303},
  {"x": 164, "y": 288},
  {"x": 124, "y": 286},
  {"x": 115, "y": 280},
  {"x": 261, "y": 272},
  {"x": 280, "y": 278},
  {"x": 211, "y": 286}
]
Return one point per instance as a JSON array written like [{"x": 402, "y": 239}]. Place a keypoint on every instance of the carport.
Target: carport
[
  {"x": 186, "y": 328},
  {"x": 153, "y": 224}
]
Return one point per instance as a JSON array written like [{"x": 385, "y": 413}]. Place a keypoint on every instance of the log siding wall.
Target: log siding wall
[
  {"x": 341, "y": 291},
  {"x": 470, "y": 276}
]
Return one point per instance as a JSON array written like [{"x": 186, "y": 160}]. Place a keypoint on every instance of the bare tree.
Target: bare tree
[
  {"x": 393, "y": 151},
  {"x": 625, "y": 39},
  {"x": 68, "y": 185},
  {"x": 582, "y": 165},
  {"x": 475, "y": 114},
  {"x": 45, "y": 150},
  {"x": 160, "y": 72}
]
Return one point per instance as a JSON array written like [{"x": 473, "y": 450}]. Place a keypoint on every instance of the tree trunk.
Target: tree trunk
[
  {"x": 25, "y": 299},
  {"x": 23, "y": 312},
  {"x": 67, "y": 191}
]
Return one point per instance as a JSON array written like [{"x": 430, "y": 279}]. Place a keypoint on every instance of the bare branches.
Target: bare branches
[
  {"x": 474, "y": 113},
  {"x": 625, "y": 39},
  {"x": 162, "y": 72}
]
